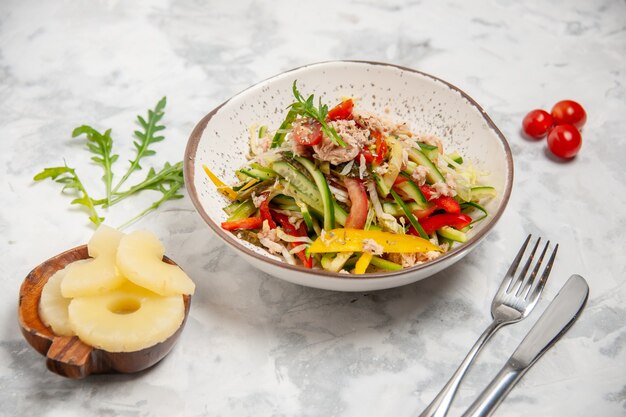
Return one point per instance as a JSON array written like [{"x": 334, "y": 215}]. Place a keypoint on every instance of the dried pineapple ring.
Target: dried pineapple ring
[
  {"x": 128, "y": 319},
  {"x": 98, "y": 275},
  {"x": 140, "y": 259},
  {"x": 53, "y": 306}
]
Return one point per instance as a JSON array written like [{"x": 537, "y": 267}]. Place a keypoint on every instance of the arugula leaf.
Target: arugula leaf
[
  {"x": 100, "y": 144},
  {"x": 68, "y": 177},
  {"x": 168, "y": 180},
  {"x": 306, "y": 108},
  {"x": 146, "y": 138}
]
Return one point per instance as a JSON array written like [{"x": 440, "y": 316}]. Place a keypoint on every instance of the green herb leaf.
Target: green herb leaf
[
  {"x": 100, "y": 144},
  {"x": 146, "y": 137},
  {"x": 68, "y": 177},
  {"x": 168, "y": 181},
  {"x": 306, "y": 108}
]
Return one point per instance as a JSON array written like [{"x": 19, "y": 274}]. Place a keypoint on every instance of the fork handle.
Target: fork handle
[{"x": 441, "y": 404}]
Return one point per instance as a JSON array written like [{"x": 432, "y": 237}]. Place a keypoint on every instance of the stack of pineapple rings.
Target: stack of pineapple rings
[{"x": 122, "y": 299}]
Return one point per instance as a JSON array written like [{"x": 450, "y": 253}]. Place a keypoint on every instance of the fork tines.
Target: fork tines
[{"x": 525, "y": 284}]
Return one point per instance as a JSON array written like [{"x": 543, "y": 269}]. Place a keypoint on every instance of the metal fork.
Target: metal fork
[{"x": 517, "y": 296}]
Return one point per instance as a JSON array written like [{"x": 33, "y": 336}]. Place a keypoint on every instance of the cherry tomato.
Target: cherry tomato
[
  {"x": 564, "y": 141},
  {"x": 537, "y": 123},
  {"x": 308, "y": 133},
  {"x": 569, "y": 112},
  {"x": 341, "y": 111}
]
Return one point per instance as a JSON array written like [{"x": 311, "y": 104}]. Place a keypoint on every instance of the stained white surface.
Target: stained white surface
[{"x": 255, "y": 345}]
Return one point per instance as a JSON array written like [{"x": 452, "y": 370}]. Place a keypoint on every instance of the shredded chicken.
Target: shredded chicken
[
  {"x": 362, "y": 166},
  {"x": 371, "y": 246},
  {"x": 419, "y": 175},
  {"x": 257, "y": 200},
  {"x": 269, "y": 238},
  {"x": 354, "y": 137},
  {"x": 442, "y": 189},
  {"x": 382, "y": 169}
]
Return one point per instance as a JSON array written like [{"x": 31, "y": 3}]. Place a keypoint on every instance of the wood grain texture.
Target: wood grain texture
[{"x": 68, "y": 356}]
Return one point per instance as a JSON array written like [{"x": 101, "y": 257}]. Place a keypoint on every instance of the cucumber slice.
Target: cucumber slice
[
  {"x": 456, "y": 157},
  {"x": 341, "y": 216},
  {"x": 452, "y": 234},
  {"x": 262, "y": 175},
  {"x": 279, "y": 137},
  {"x": 375, "y": 227},
  {"x": 419, "y": 158},
  {"x": 324, "y": 190},
  {"x": 289, "y": 207},
  {"x": 333, "y": 263},
  {"x": 230, "y": 209},
  {"x": 306, "y": 215},
  {"x": 395, "y": 163},
  {"x": 245, "y": 210},
  {"x": 385, "y": 264},
  {"x": 283, "y": 199},
  {"x": 409, "y": 215},
  {"x": 431, "y": 152},
  {"x": 412, "y": 191},
  {"x": 466, "y": 207},
  {"x": 262, "y": 131},
  {"x": 395, "y": 210},
  {"x": 351, "y": 263},
  {"x": 241, "y": 176},
  {"x": 380, "y": 184},
  {"x": 482, "y": 192},
  {"x": 298, "y": 180}
]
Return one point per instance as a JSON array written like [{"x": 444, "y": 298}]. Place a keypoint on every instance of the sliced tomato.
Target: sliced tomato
[
  {"x": 369, "y": 158},
  {"x": 308, "y": 133},
  {"x": 264, "y": 209},
  {"x": 243, "y": 224},
  {"x": 444, "y": 202},
  {"x": 360, "y": 204},
  {"x": 341, "y": 111},
  {"x": 436, "y": 222}
]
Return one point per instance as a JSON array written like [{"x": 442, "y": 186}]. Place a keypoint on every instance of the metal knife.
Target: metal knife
[{"x": 553, "y": 323}]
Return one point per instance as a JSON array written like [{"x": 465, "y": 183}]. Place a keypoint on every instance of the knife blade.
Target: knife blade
[{"x": 558, "y": 317}]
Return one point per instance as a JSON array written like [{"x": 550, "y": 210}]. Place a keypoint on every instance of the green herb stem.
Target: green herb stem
[{"x": 146, "y": 138}]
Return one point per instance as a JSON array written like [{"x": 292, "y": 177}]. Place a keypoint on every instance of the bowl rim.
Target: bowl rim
[{"x": 189, "y": 175}]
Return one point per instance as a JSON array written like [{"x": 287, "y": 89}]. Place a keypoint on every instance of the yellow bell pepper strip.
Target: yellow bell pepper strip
[
  {"x": 351, "y": 240},
  {"x": 221, "y": 187},
  {"x": 362, "y": 263}
]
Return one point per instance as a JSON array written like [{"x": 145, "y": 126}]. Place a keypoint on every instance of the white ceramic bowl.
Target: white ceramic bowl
[{"x": 430, "y": 105}]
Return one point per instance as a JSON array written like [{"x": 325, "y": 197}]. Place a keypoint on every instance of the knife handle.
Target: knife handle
[{"x": 496, "y": 391}]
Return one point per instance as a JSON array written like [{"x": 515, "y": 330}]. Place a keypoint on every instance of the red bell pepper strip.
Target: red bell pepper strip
[
  {"x": 243, "y": 224},
  {"x": 436, "y": 222},
  {"x": 290, "y": 229},
  {"x": 264, "y": 209},
  {"x": 421, "y": 214},
  {"x": 360, "y": 204},
  {"x": 381, "y": 147},
  {"x": 341, "y": 111},
  {"x": 447, "y": 203}
]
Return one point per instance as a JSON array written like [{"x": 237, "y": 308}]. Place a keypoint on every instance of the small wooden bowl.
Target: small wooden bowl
[{"x": 68, "y": 356}]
